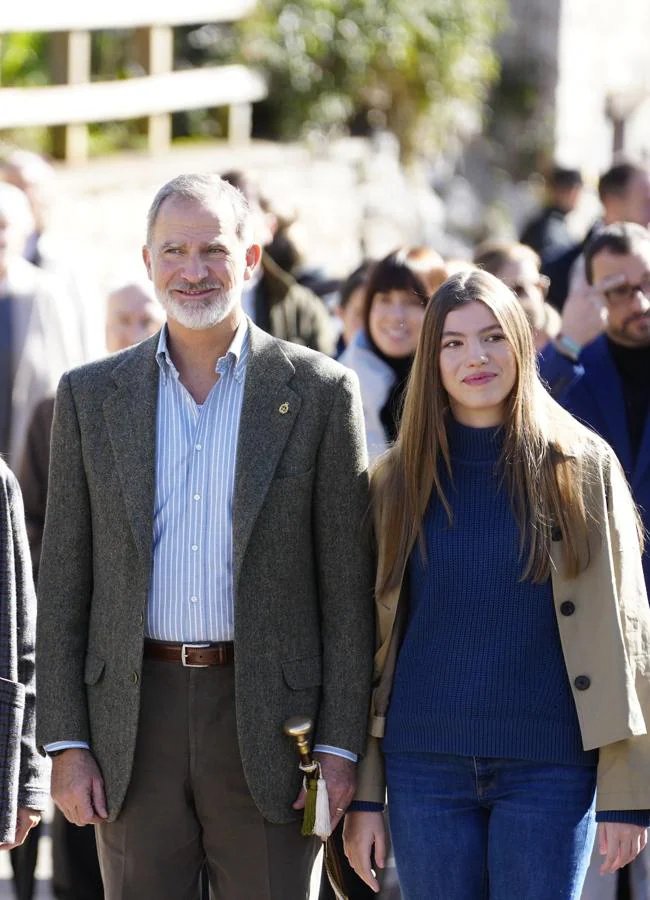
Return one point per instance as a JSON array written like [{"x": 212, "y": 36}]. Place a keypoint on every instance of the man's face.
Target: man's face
[
  {"x": 523, "y": 278},
  {"x": 197, "y": 263},
  {"x": 635, "y": 203},
  {"x": 628, "y": 307},
  {"x": 131, "y": 316}
]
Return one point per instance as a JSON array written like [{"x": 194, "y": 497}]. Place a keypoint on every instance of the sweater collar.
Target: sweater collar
[{"x": 474, "y": 444}]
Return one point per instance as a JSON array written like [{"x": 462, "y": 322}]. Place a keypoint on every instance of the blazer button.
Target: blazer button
[
  {"x": 135, "y": 677},
  {"x": 567, "y": 608},
  {"x": 582, "y": 682}
]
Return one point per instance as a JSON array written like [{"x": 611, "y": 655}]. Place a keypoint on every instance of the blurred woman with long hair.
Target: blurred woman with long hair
[
  {"x": 512, "y": 669},
  {"x": 397, "y": 291}
]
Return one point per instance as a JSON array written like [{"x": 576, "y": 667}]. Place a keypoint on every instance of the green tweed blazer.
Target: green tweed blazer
[{"x": 302, "y": 568}]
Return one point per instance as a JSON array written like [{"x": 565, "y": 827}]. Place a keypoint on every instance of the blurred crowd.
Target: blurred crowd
[{"x": 591, "y": 327}]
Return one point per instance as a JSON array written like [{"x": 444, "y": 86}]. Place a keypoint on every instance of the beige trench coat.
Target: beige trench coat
[{"x": 605, "y": 643}]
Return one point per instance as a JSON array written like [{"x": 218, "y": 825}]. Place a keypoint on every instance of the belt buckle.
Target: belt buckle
[{"x": 189, "y": 665}]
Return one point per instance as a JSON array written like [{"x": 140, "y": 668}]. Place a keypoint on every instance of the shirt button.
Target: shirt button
[
  {"x": 197, "y": 496},
  {"x": 198, "y": 446},
  {"x": 195, "y": 547},
  {"x": 582, "y": 682},
  {"x": 135, "y": 677},
  {"x": 567, "y": 608},
  {"x": 194, "y": 599}
]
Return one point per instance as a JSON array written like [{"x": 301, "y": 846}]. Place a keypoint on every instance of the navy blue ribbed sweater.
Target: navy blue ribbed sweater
[{"x": 480, "y": 671}]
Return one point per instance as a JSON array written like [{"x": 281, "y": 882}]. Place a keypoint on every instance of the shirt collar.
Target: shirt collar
[{"x": 234, "y": 358}]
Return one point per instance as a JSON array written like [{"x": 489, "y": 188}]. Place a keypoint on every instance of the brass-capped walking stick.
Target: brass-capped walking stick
[{"x": 316, "y": 817}]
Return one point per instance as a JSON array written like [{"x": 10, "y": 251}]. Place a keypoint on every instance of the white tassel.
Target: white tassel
[{"x": 322, "y": 822}]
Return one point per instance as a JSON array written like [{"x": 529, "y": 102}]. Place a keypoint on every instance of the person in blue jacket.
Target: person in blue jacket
[{"x": 604, "y": 381}]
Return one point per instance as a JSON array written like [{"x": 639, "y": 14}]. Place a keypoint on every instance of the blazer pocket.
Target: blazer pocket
[
  {"x": 304, "y": 672},
  {"x": 93, "y": 668}
]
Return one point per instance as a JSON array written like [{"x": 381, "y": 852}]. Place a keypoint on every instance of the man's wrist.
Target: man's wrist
[
  {"x": 336, "y": 751},
  {"x": 566, "y": 346},
  {"x": 55, "y": 747}
]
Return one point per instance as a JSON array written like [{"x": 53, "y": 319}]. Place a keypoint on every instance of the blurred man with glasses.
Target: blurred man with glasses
[{"x": 599, "y": 369}]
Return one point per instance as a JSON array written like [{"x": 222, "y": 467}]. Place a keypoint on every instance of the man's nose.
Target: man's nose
[
  {"x": 640, "y": 301},
  {"x": 194, "y": 268}
]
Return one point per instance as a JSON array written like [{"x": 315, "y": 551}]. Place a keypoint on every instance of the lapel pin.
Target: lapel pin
[{"x": 284, "y": 408}]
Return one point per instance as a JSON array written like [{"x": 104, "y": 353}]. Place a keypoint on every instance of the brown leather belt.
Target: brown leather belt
[{"x": 195, "y": 656}]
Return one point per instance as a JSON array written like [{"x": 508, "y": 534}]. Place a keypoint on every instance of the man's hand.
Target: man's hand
[
  {"x": 584, "y": 314},
  {"x": 78, "y": 787},
  {"x": 341, "y": 778},
  {"x": 26, "y": 819},
  {"x": 619, "y": 844},
  {"x": 364, "y": 833}
]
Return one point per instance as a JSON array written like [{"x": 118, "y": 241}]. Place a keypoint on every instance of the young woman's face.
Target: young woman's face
[
  {"x": 395, "y": 322},
  {"x": 477, "y": 365}
]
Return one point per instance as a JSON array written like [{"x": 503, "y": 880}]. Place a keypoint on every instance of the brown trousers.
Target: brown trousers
[{"x": 188, "y": 803}]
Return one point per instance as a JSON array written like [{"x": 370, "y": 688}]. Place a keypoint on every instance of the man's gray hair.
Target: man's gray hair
[{"x": 206, "y": 188}]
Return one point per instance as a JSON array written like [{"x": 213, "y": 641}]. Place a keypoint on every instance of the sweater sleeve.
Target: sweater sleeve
[{"x": 625, "y": 816}]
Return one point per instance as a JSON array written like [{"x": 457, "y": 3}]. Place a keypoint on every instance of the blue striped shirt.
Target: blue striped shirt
[{"x": 191, "y": 589}]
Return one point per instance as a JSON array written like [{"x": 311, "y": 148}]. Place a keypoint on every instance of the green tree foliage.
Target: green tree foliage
[
  {"x": 22, "y": 59},
  {"x": 407, "y": 65}
]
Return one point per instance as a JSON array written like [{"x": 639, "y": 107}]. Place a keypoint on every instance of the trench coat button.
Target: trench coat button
[
  {"x": 582, "y": 682},
  {"x": 556, "y": 533},
  {"x": 135, "y": 677},
  {"x": 140, "y": 619},
  {"x": 567, "y": 608}
]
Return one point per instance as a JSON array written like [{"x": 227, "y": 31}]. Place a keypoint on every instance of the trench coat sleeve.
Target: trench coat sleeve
[
  {"x": 34, "y": 777},
  {"x": 624, "y": 766},
  {"x": 371, "y": 780}
]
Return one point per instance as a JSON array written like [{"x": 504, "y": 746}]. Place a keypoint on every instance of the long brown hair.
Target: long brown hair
[{"x": 543, "y": 448}]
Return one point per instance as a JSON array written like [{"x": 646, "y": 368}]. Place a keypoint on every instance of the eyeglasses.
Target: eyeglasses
[{"x": 623, "y": 293}]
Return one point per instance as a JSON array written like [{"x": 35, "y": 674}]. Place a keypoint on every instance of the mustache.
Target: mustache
[
  {"x": 196, "y": 286},
  {"x": 637, "y": 317}
]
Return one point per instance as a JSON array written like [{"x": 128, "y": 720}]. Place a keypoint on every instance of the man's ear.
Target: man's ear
[
  {"x": 253, "y": 256},
  {"x": 146, "y": 256}
]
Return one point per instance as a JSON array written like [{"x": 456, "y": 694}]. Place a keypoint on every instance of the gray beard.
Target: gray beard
[{"x": 198, "y": 315}]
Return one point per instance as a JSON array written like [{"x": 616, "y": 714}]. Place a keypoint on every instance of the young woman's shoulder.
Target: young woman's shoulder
[{"x": 573, "y": 439}]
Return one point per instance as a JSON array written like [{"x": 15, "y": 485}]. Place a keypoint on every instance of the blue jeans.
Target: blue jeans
[{"x": 472, "y": 828}]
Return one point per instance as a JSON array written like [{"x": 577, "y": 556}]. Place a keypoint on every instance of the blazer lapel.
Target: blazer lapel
[
  {"x": 643, "y": 456},
  {"x": 268, "y": 414},
  {"x": 130, "y": 415}
]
